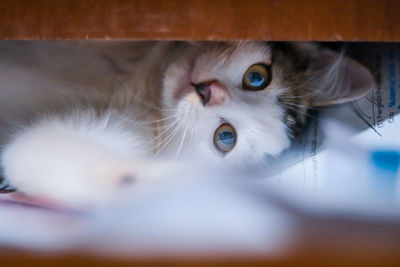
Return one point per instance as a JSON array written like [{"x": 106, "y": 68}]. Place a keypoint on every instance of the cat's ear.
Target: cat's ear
[{"x": 334, "y": 78}]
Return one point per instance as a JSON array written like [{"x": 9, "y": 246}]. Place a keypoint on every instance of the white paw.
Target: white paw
[{"x": 66, "y": 169}]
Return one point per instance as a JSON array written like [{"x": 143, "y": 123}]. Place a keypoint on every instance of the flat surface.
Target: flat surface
[{"x": 323, "y": 20}]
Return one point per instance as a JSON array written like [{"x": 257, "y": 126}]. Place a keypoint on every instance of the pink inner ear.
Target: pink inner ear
[{"x": 357, "y": 81}]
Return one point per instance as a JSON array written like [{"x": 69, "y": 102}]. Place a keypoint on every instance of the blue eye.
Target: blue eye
[
  {"x": 257, "y": 77},
  {"x": 225, "y": 138}
]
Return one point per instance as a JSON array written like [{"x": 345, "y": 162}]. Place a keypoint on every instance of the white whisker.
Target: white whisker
[
  {"x": 168, "y": 141},
  {"x": 164, "y": 131},
  {"x": 160, "y": 120},
  {"x": 181, "y": 143}
]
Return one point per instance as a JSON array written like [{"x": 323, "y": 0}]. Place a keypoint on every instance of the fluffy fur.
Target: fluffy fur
[{"x": 80, "y": 118}]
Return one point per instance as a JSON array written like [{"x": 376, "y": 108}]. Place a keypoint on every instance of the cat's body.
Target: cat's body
[{"x": 80, "y": 119}]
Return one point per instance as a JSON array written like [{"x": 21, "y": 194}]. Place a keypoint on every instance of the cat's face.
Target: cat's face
[{"x": 237, "y": 102}]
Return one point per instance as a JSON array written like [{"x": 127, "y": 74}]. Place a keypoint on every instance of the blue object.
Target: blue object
[
  {"x": 386, "y": 160},
  {"x": 385, "y": 168}
]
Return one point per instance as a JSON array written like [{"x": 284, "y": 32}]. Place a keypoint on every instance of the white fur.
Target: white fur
[
  {"x": 256, "y": 116},
  {"x": 80, "y": 159},
  {"x": 136, "y": 104}
]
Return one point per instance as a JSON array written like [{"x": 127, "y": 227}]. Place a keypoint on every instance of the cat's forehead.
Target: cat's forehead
[
  {"x": 237, "y": 52},
  {"x": 249, "y": 52},
  {"x": 229, "y": 60}
]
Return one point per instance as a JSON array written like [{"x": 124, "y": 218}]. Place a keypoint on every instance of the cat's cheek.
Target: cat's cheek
[
  {"x": 280, "y": 143},
  {"x": 264, "y": 141},
  {"x": 177, "y": 81}
]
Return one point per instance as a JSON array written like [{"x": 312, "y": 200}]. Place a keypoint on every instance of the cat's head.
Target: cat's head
[{"x": 242, "y": 101}]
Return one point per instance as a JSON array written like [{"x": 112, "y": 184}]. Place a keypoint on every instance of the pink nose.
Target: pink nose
[{"x": 211, "y": 93}]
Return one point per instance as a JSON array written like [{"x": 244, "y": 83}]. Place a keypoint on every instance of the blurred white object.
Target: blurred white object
[
  {"x": 192, "y": 209},
  {"x": 355, "y": 175}
]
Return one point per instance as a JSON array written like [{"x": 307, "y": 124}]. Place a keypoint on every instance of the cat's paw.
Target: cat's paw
[{"x": 67, "y": 169}]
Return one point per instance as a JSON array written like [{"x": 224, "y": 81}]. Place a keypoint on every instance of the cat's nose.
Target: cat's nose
[{"x": 211, "y": 93}]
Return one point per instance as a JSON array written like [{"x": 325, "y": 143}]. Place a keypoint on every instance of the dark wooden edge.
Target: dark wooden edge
[{"x": 275, "y": 20}]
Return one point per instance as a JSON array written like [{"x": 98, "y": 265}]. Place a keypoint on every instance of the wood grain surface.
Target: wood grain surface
[{"x": 323, "y": 20}]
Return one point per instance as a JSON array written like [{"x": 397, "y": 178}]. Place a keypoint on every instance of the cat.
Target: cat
[{"x": 80, "y": 119}]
